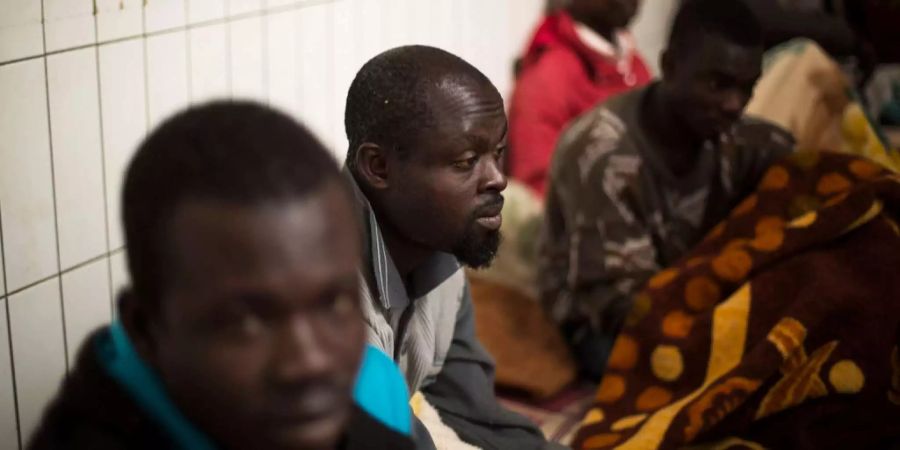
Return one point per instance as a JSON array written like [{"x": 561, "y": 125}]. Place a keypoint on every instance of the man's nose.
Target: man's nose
[
  {"x": 733, "y": 103},
  {"x": 493, "y": 177},
  {"x": 299, "y": 352}
]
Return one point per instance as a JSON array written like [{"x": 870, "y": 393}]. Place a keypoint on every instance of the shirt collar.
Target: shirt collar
[
  {"x": 121, "y": 361},
  {"x": 619, "y": 49},
  {"x": 380, "y": 271}
]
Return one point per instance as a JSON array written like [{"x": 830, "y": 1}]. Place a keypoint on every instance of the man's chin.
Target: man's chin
[
  {"x": 323, "y": 433},
  {"x": 474, "y": 264},
  {"x": 478, "y": 252}
]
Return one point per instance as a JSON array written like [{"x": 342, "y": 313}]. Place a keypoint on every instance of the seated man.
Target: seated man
[
  {"x": 427, "y": 132},
  {"x": 640, "y": 179},
  {"x": 242, "y": 328},
  {"x": 579, "y": 56}
]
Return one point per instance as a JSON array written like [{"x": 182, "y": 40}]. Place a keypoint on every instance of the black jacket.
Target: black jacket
[{"x": 92, "y": 411}]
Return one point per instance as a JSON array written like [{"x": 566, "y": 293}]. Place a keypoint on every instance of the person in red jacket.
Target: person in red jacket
[{"x": 578, "y": 57}]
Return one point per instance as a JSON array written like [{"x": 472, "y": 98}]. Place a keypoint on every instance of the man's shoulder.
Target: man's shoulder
[
  {"x": 552, "y": 80},
  {"x": 755, "y": 131},
  {"x": 599, "y": 133},
  {"x": 367, "y": 432},
  {"x": 381, "y": 391},
  {"x": 91, "y": 411},
  {"x": 553, "y": 62}
]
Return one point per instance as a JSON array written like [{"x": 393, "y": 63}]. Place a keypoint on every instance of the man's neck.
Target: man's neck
[
  {"x": 406, "y": 255},
  {"x": 606, "y": 32},
  {"x": 680, "y": 147}
]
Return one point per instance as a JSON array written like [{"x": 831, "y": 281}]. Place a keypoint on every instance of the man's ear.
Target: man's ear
[
  {"x": 372, "y": 165},
  {"x": 136, "y": 316}
]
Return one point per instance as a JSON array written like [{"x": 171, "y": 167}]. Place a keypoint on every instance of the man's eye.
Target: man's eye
[
  {"x": 340, "y": 305},
  {"x": 499, "y": 152},
  {"x": 251, "y": 325},
  {"x": 343, "y": 305},
  {"x": 241, "y": 326},
  {"x": 466, "y": 164}
]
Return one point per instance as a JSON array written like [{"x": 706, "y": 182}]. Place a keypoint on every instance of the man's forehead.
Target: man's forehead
[
  {"x": 725, "y": 56},
  {"x": 460, "y": 93},
  {"x": 461, "y": 110},
  {"x": 260, "y": 227}
]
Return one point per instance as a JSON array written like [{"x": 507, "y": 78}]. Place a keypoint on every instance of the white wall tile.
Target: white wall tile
[
  {"x": 86, "y": 303},
  {"x": 164, "y": 15},
  {"x": 29, "y": 231},
  {"x": 433, "y": 24},
  {"x": 8, "y": 441},
  {"x": 167, "y": 77},
  {"x": 39, "y": 357},
  {"x": 370, "y": 29},
  {"x": 345, "y": 63},
  {"x": 237, "y": 7},
  {"x": 119, "y": 270},
  {"x": 21, "y": 34},
  {"x": 124, "y": 120},
  {"x": 247, "y": 59},
  {"x": 397, "y": 16},
  {"x": 77, "y": 156},
  {"x": 651, "y": 29},
  {"x": 283, "y": 61},
  {"x": 117, "y": 19},
  {"x": 203, "y": 10},
  {"x": 209, "y": 63},
  {"x": 316, "y": 76},
  {"x": 68, "y": 23},
  {"x": 524, "y": 18},
  {"x": 485, "y": 40},
  {"x": 280, "y": 3}
]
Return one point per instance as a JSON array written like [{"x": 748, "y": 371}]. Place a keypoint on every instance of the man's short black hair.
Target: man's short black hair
[
  {"x": 388, "y": 101},
  {"x": 236, "y": 152},
  {"x": 730, "y": 20}
]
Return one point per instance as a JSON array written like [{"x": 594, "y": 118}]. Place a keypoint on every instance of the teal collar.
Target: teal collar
[
  {"x": 380, "y": 389},
  {"x": 117, "y": 355}
]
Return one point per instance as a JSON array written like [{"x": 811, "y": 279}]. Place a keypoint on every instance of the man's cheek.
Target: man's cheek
[{"x": 229, "y": 368}]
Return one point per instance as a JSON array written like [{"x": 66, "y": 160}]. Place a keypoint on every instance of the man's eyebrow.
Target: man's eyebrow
[
  {"x": 476, "y": 141},
  {"x": 481, "y": 141}
]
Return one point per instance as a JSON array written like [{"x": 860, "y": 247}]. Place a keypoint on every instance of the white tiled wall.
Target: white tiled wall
[
  {"x": 38, "y": 348},
  {"x": 82, "y": 81},
  {"x": 651, "y": 29},
  {"x": 77, "y": 156}
]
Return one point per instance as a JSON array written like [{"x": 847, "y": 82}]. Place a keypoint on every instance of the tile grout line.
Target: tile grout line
[
  {"x": 143, "y": 35},
  {"x": 264, "y": 49},
  {"x": 103, "y": 174},
  {"x": 228, "y": 24},
  {"x": 144, "y": 38},
  {"x": 62, "y": 307},
  {"x": 187, "y": 56},
  {"x": 12, "y": 362},
  {"x": 2, "y": 254},
  {"x": 12, "y": 357},
  {"x": 331, "y": 58},
  {"x": 66, "y": 271}
]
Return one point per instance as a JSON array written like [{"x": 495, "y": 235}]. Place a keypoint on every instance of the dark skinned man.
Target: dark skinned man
[
  {"x": 637, "y": 181},
  {"x": 427, "y": 131},
  {"x": 242, "y": 328}
]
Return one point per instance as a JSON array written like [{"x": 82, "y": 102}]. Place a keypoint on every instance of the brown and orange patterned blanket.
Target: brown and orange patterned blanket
[{"x": 780, "y": 330}]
